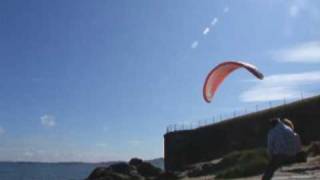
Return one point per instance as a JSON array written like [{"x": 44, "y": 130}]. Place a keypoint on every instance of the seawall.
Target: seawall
[{"x": 182, "y": 148}]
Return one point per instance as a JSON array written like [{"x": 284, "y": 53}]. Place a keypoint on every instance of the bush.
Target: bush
[
  {"x": 243, "y": 163},
  {"x": 135, "y": 162},
  {"x": 122, "y": 168},
  {"x": 147, "y": 169},
  {"x": 107, "y": 173}
]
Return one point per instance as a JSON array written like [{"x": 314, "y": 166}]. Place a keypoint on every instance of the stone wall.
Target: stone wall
[{"x": 183, "y": 148}]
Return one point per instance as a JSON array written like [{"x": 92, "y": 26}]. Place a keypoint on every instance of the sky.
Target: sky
[{"x": 101, "y": 80}]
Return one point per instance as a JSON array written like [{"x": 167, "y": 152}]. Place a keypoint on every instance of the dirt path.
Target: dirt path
[
  {"x": 301, "y": 171},
  {"x": 308, "y": 170}
]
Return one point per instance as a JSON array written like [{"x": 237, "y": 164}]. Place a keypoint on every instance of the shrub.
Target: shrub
[
  {"x": 135, "y": 162},
  {"x": 243, "y": 163},
  {"x": 147, "y": 169}
]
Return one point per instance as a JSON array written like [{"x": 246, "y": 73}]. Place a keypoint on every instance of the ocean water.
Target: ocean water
[{"x": 45, "y": 171}]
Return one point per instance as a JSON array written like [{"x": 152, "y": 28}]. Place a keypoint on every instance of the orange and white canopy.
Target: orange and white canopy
[{"x": 220, "y": 72}]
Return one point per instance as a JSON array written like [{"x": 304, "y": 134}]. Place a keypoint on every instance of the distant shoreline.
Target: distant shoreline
[{"x": 71, "y": 162}]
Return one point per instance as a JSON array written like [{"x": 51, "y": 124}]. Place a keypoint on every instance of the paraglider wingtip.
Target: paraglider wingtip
[
  {"x": 205, "y": 98},
  {"x": 261, "y": 77}
]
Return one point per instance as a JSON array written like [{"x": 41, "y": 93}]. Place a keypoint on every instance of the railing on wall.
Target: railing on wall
[{"x": 228, "y": 116}]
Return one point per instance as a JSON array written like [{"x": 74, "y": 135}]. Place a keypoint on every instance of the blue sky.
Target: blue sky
[{"x": 101, "y": 80}]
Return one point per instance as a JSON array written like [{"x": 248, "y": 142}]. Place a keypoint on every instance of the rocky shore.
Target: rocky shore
[
  {"x": 238, "y": 165},
  {"x": 135, "y": 169}
]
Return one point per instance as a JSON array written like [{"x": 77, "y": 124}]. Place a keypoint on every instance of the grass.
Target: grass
[{"x": 243, "y": 163}]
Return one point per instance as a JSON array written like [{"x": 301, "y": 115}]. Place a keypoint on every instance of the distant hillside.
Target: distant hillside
[
  {"x": 60, "y": 163},
  {"x": 158, "y": 162}
]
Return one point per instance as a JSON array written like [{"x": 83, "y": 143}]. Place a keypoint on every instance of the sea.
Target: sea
[
  {"x": 55, "y": 171},
  {"x": 45, "y": 171}
]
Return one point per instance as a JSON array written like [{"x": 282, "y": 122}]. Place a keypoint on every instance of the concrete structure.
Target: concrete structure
[{"x": 182, "y": 148}]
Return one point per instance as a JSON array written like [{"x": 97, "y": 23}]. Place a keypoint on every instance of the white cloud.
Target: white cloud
[
  {"x": 280, "y": 86},
  {"x": 226, "y": 10},
  {"x": 214, "y": 21},
  {"x": 194, "y": 44},
  {"x": 308, "y": 52},
  {"x": 206, "y": 31},
  {"x": 2, "y": 131},
  {"x": 48, "y": 120}
]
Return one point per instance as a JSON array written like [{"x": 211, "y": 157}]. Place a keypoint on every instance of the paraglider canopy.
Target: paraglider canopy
[{"x": 220, "y": 72}]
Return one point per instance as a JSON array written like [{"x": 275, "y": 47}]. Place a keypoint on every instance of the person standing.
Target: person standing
[
  {"x": 301, "y": 156},
  {"x": 282, "y": 147},
  {"x": 289, "y": 123}
]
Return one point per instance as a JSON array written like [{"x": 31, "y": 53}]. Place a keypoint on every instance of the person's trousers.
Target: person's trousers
[{"x": 276, "y": 162}]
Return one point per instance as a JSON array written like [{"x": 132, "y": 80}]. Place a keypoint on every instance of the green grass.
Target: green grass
[{"x": 243, "y": 163}]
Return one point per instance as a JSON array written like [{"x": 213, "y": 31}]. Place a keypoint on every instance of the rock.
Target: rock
[
  {"x": 109, "y": 173},
  {"x": 135, "y": 162},
  {"x": 135, "y": 170},
  {"x": 122, "y": 168},
  {"x": 98, "y": 172},
  {"x": 146, "y": 169},
  {"x": 135, "y": 175},
  {"x": 103, "y": 173}
]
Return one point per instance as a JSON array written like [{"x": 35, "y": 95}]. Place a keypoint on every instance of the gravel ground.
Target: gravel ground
[{"x": 301, "y": 171}]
